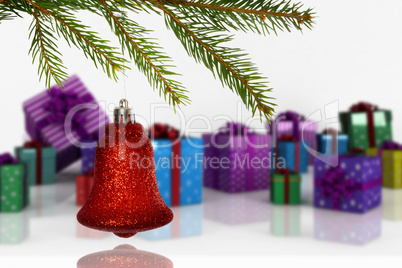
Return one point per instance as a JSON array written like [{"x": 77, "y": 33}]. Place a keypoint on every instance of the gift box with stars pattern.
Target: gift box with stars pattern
[
  {"x": 354, "y": 185},
  {"x": 13, "y": 185},
  {"x": 185, "y": 186}
]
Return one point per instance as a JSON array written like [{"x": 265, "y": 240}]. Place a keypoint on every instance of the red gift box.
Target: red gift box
[{"x": 83, "y": 186}]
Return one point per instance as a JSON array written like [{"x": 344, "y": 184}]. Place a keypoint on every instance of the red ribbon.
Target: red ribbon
[
  {"x": 286, "y": 173},
  {"x": 37, "y": 145},
  {"x": 357, "y": 151},
  {"x": 164, "y": 131},
  {"x": 369, "y": 109}
]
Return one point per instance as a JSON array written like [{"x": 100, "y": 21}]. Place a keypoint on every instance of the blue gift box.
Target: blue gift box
[
  {"x": 191, "y": 171},
  {"x": 191, "y": 159},
  {"x": 286, "y": 150},
  {"x": 325, "y": 144}
]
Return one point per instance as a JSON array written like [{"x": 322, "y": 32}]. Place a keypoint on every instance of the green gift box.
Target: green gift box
[
  {"x": 285, "y": 188},
  {"x": 285, "y": 221},
  {"x": 13, "y": 185},
  {"x": 13, "y": 227},
  {"x": 366, "y": 126},
  {"x": 39, "y": 170}
]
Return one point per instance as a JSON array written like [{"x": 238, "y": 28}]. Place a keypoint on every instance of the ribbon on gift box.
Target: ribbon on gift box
[
  {"x": 336, "y": 186},
  {"x": 286, "y": 178},
  {"x": 295, "y": 118},
  {"x": 7, "y": 158},
  {"x": 357, "y": 151},
  {"x": 289, "y": 138},
  {"x": 164, "y": 131},
  {"x": 390, "y": 145},
  {"x": 369, "y": 109},
  {"x": 37, "y": 145}
]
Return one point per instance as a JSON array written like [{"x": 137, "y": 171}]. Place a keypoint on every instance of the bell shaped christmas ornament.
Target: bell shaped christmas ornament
[{"x": 124, "y": 198}]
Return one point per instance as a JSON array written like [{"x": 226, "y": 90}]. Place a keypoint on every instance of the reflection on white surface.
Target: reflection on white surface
[
  {"x": 238, "y": 208},
  {"x": 124, "y": 256},
  {"x": 88, "y": 233},
  {"x": 14, "y": 227},
  {"x": 349, "y": 228},
  {"x": 187, "y": 222},
  {"x": 285, "y": 220},
  {"x": 392, "y": 204},
  {"x": 43, "y": 200}
]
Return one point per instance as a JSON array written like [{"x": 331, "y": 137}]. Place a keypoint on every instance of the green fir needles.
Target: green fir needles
[{"x": 202, "y": 26}]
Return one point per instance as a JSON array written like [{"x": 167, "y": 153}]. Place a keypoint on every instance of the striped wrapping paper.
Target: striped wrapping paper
[
  {"x": 41, "y": 126},
  {"x": 308, "y": 130}
]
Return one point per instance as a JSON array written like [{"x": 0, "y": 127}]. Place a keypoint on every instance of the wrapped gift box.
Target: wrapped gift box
[
  {"x": 332, "y": 144},
  {"x": 366, "y": 125},
  {"x": 347, "y": 228},
  {"x": 285, "y": 221},
  {"x": 46, "y": 119},
  {"x": 294, "y": 156},
  {"x": 354, "y": 185},
  {"x": 40, "y": 162},
  {"x": 392, "y": 168},
  {"x": 187, "y": 222},
  {"x": 243, "y": 160},
  {"x": 292, "y": 124},
  {"x": 178, "y": 166},
  {"x": 211, "y": 154},
  {"x": 88, "y": 157},
  {"x": 244, "y": 208},
  {"x": 14, "y": 189},
  {"x": 392, "y": 204},
  {"x": 14, "y": 227},
  {"x": 83, "y": 186},
  {"x": 285, "y": 187}
]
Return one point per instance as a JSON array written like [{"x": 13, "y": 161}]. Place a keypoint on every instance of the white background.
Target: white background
[{"x": 354, "y": 53}]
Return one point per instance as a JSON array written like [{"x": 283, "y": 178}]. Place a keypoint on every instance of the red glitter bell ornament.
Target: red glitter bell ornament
[{"x": 124, "y": 198}]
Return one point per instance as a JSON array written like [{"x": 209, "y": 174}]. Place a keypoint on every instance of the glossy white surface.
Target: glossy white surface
[{"x": 226, "y": 230}]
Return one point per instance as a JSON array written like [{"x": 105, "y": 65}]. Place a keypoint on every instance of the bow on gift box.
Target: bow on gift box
[
  {"x": 7, "y": 158},
  {"x": 295, "y": 118},
  {"x": 163, "y": 131},
  {"x": 390, "y": 145},
  {"x": 369, "y": 109},
  {"x": 61, "y": 103},
  {"x": 335, "y": 186}
]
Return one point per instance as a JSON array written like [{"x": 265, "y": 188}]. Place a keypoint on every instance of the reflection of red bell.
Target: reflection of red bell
[
  {"x": 124, "y": 256},
  {"x": 124, "y": 198}
]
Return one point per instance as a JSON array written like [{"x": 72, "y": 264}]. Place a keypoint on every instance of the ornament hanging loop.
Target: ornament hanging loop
[{"x": 123, "y": 114}]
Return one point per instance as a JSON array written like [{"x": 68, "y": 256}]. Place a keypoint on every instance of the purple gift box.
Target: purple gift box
[
  {"x": 291, "y": 123},
  {"x": 46, "y": 119},
  {"x": 239, "y": 161},
  {"x": 354, "y": 185},
  {"x": 346, "y": 227},
  {"x": 88, "y": 158}
]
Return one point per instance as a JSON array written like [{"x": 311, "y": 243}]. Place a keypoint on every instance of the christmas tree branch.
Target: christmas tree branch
[
  {"x": 43, "y": 44},
  {"x": 230, "y": 65},
  {"x": 144, "y": 52}
]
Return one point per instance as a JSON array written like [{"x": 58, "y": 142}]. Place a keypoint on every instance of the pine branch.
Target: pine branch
[
  {"x": 147, "y": 56},
  {"x": 231, "y": 65},
  {"x": 245, "y": 15},
  {"x": 43, "y": 43},
  {"x": 75, "y": 32}
]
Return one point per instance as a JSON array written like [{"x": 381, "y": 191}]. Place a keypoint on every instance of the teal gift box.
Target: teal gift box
[
  {"x": 39, "y": 170},
  {"x": 14, "y": 190}
]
